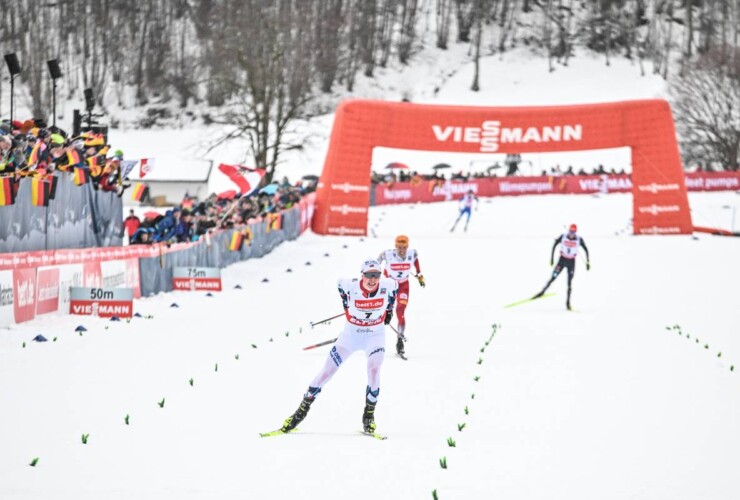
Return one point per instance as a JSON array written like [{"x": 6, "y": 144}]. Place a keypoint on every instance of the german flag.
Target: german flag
[
  {"x": 140, "y": 192},
  {"x": 94, "y": 140},
  {"x": 73, "y": 157},
  {"x": 40, "y": 193},
  {"x": 80, "y": 176},
  {"x": 7, "y": 191},
  {"x": 277, "y": 222},
  {"x": 52, "y": 179},
  {"x": 274, "y": 222},
  {"x": 237, "y": 239},
  {"x": 38, "y": 148},
  {"x": 96, "y": 165}
]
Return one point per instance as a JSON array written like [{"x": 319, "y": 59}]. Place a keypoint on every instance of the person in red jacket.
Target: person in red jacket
[
  {"x": 131, "y": 223},
  {"x": 398, "y": 263}
]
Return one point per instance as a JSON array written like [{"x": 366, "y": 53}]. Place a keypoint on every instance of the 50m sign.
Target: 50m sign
[{"x": 102, "y": 302}]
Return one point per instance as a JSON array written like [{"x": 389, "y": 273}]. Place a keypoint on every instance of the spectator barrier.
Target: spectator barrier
[
  {"x": 36, "y": 283},
  {"x": 76, "y": 217},
  {"x": 430, "y": 190}
]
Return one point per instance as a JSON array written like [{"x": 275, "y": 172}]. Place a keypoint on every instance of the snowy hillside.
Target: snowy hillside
[{"x": 434, "y": 77}]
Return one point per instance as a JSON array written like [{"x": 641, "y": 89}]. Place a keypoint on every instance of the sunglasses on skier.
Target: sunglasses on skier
[{"x": 371, "y": 274}]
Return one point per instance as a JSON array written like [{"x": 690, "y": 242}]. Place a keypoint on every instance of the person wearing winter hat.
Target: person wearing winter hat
[
  {"x": 569, "y": 243},
  {"x": 368, "y": 307},
  {"x": 398, "y": 262}
]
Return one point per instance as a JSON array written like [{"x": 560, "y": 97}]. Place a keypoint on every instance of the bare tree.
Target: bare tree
[
  {"x": 274, "y": 76},
  {"x": 443, "y": 16},
  {"x": 407, "y": 32},
  {"x": 706, "y": 107}
]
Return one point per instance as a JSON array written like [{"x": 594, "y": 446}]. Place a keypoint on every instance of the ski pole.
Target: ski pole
[
  {"x": 398, "y": 333},
  {"x": 326, "y": 342},
  {"x": 325, "y": 320}
]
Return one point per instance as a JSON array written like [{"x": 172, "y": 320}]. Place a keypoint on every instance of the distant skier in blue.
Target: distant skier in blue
[
  {"x": 569, "y": 244},
  {"x": 466, "y": 207}
]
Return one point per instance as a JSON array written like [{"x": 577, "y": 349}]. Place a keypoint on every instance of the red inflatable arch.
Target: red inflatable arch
[{"x": 660, "y": 203}]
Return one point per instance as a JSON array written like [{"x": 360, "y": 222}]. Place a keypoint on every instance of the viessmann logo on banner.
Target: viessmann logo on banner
[
  {"x": 348, "y": 188},
  {"x": 347, "y": 209},
  {"x": 102, "y": 302},
  {"x": 196, "y": 278},
  {"x": 658, "y": 209},
  {"x": 492, "y": 133},
  {"x": 342, "y": 230},
  {"x": 656, "y": 188}
]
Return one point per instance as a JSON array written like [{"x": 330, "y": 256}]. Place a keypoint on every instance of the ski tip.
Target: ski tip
[
  {"x": 277, "y": 432},
  {"x": 375, "y": 435}
]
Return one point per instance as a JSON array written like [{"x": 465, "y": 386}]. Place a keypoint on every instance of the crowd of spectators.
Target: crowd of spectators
[
  {"x": 31, "y": 148},
  {"x": 495, "y": 170},
  {"x": 193, "y": 218}
]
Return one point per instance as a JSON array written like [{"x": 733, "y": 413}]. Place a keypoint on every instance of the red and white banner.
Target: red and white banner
[
  {"x": 6, "y": 298},
  {"x": 146, "y": 165},
  {"x": 47, "y": 290},
  {"x": 102, "y": 302},
  {"x": 196, "y": 278},
  {"x": 24, "y": 294},
  {"x": 427, "y": 191}
]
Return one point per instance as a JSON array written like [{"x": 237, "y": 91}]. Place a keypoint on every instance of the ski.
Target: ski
[
  {"x": 276, "y": 432},
  {"x": 524, "y": 301},
  {"x": 374, "y": 435}
]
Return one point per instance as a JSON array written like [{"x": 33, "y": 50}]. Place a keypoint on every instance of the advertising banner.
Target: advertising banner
[
  {"x": 24, "y": 294},
  {"x": 6, "y": 298},
  {"x": 47, "y": 294},
  {"x": 196, "y": 278},
  {"x": 102, "y": 302}
]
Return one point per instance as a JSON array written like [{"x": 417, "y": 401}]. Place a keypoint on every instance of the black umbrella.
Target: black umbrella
[{"x": 440, "y": 166}]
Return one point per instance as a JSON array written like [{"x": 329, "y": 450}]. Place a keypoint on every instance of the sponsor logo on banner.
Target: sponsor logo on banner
[
  {"x": 618, "y": 183},
  {"x": 658, "y": 209},
  {"x": 132, "y": 276},
  {"x": 455, "y": 188},
  {"x": 70, "y": 275},
  {"x": 397, "y": 194},
  {"x": 24, "y": 294},
  {"x": 656, "y": 188},
  {"x": 102, "y": 302},
  {"x": 525, "y": 187},
  {"x": 6, "y": 298},
  {"x": 712, "y": 183},
  {"x": 341, "y": 230},
  {"x": 660, "y": 230},
  {"x": 347, "y": 187},
  {"x": 492, "y": 133},
  {"x": 47, "y": 284},
  {"x": 348, "y": 209},
  {"x": 92, "y": 274},
  {"x": 369, "y": 303},
  {"x": 196, "y": 278}
]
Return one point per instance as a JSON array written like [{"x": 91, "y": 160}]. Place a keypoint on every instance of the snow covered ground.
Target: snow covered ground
[{"x": 605, "y": 402}]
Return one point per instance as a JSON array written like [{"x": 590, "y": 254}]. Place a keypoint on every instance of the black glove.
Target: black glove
[
  {"x": 388, "y": 317},
  {"x": 421, "y": 280}
]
